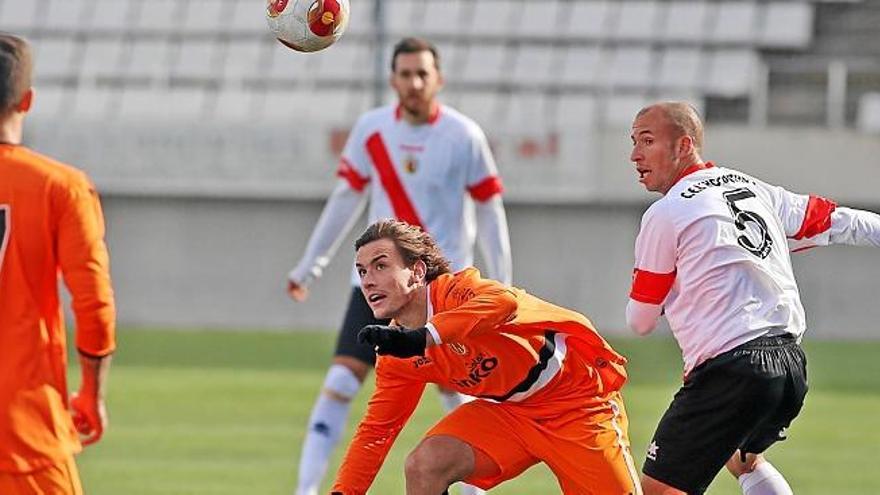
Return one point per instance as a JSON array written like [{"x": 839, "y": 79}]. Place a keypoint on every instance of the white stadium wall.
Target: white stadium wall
[{"x": 193, "y": 251}]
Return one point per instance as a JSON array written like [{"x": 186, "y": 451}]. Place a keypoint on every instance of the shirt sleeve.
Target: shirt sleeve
[
  {"x": 656, "y": 250},
  {"x": 354, "y": 164},
  {"x": 85, "y": 265},
  {"x": 483, "y": 181},
  {"x": 494, "y": 239},
  {"x": 846, "y": 226},
  {"x": 343, "y": 208},
  {"x": 472, "y": 305},
  {"x": 396, "y": 396}
]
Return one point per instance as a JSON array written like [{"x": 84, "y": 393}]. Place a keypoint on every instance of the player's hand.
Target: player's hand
[
  {"x": 394, "y": 341},
  {"x": 297, "y": 292},
  {"x": 89, "y": 417}
]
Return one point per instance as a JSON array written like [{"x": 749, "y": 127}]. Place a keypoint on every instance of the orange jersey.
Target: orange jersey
[
  {"x": 50, "y": 221},
  {"x": 496, "y": 343}
]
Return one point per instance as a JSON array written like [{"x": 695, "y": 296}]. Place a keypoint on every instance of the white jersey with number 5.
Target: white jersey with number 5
[{"x": 714, "y": 251}]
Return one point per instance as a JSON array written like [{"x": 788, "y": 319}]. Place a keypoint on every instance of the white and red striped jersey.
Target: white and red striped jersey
[
  {"x": 429, "y": 175},
  {"x": 714, "y": 254}
]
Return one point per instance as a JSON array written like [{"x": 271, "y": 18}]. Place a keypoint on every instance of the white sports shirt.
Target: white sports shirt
[
  {"x": 714, "y": 254},
  {"x": 426, "y": 175}
]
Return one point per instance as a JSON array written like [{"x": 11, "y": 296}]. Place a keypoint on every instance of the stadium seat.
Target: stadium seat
[
  {"x": 235, "y": 104},
  {"x": 575, "y": 111},
  {"x": 148, "y": 60},
  {"x": 681, "y": 68},
  {"x": 484, "y": 108},
  {"x": 734, "y": 23},
  {"x": 359, "y": 102},
  {"x": 536, "y": 65},
  {"x": 112, "y": 15},
  {"x": 246, "y": 59},
  {"x": 588, "y": 19},
  {"x": 540, "y": 19},
  {"x": 637, "y": 20},
  {"x": 631, "y": 67},
  {"x": 581, "y": 65},
  {"x": 67, "y": 15},
  {"x": 198, "y": 59},
  {"x": 868, "y": 118},
  {"x": 54, "y": 58},
  {"x": 360, "y": 22},
  {"x": 92, "y": 103},
  {"x": 618, "y": 110},
  {"x": 401, "y": 16},
  {"x": 159, "y": 16},
  {"x": 527, "y": 112},
  {"x": 101, "y": 59},
  {"x": 162, "y": 103},
  {"x": 731, "y": 72},
  {"x": 247, "y": 16},
  {"x": 18, "y": 18},
  {"x": 492, "y": 17},
  {"x": 287, "y": 66},
  {"x": 787, "y": 25},
  {"x": 318, "y": 106},
  {"x": 345, "y": 61},
  {"x": 686, "y": 21},
  {"x": 483, "y": 63},
  {"x": 51, "y": 102},
  {"x": 445, "y": 17},
  {"x": 207, "y": 16},
  {"x": 451, "y": 60}
]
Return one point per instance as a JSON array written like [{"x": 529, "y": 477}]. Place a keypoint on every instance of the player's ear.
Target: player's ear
[
  {"x": 685, "y": 145},
  {"x": 419, "y": 270},
  {"x": 26, "y": 101}
]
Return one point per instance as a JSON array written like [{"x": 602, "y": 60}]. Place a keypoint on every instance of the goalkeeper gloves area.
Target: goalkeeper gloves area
[{"x": 395, "y": 341}]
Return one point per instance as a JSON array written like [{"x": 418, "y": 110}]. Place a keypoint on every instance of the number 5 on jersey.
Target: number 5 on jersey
[{"x": 756, "y": 238}]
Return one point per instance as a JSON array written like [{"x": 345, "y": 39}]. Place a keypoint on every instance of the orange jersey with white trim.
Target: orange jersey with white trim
[
  {"x": 496, "y": 343},
  {"x": 50, "y": 221}
]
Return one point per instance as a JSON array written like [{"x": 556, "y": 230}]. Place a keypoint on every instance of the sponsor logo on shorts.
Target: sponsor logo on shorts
[{"x": 653, "y": 448}]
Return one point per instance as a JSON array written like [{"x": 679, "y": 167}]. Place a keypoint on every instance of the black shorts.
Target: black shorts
[
  {"x": 741, "y": 399},
  {"x": 357, "y": 316}
]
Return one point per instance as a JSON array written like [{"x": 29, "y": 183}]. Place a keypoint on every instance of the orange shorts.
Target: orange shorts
[
  {"x": 58, "y": 479},
  {"x": 586, "y": 447}
]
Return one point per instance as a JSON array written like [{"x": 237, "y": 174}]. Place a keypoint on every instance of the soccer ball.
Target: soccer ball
[{"x": 307, "y": 25}]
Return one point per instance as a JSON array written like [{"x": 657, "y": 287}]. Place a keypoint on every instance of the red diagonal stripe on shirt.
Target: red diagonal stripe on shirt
[{"x": 400, "y": 202}]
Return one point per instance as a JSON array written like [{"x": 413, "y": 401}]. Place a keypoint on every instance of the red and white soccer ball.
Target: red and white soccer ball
[{"x": 307, "y": 25}]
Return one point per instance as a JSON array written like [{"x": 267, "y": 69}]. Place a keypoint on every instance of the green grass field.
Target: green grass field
[{"x": 195, "y": 412}]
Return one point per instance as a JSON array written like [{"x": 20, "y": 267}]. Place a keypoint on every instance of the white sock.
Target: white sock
[
  {"x": 326, "y": 425},
  {"x": 764, "y": 480},
  {"x": 450, "y": 401}
]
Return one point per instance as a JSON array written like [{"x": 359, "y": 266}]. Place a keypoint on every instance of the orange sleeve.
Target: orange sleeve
[
  {"x": 468, "y": 304},
  {"x": 396, "y": 396},
  {"x": 85, "y": 265}
]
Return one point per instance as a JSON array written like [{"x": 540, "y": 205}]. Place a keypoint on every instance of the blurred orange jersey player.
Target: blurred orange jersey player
[
  {"x": 50, "y": 220},
  {"x": 546, "y": 384}
]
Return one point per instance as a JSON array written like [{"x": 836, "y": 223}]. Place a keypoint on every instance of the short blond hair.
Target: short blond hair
[{"x": 683, "y": 117}]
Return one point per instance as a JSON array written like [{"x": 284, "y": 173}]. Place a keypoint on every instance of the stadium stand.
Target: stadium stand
[{"x": 508, "y": 63}]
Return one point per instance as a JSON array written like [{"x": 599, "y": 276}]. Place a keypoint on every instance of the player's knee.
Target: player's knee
[
  {"x": 439, "y": 459},
  {"x": 341, "y": 383},
  {"x": 738, "y": 467}
]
